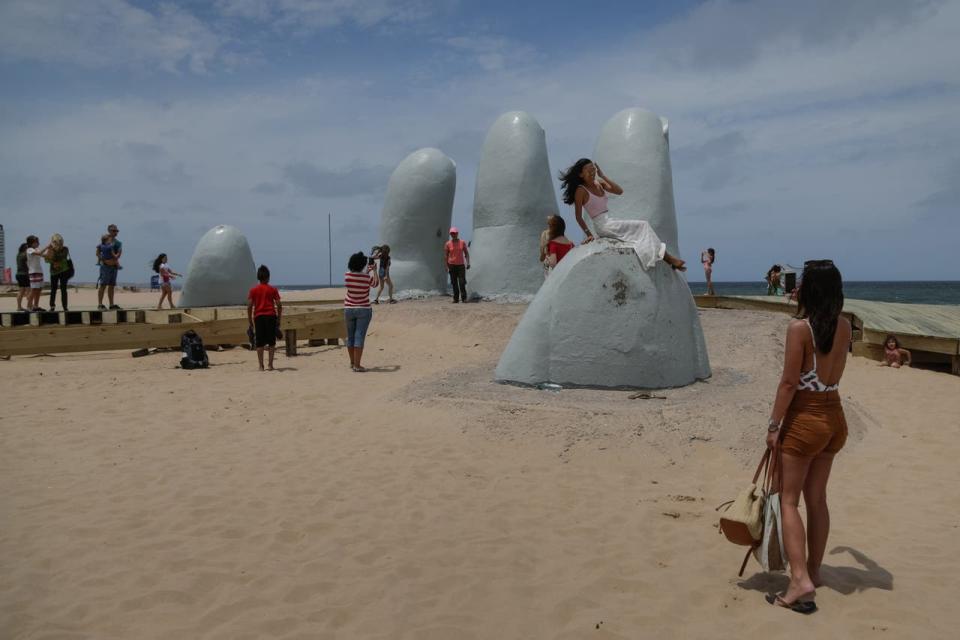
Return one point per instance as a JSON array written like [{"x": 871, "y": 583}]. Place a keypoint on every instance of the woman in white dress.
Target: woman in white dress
[{"x": 586, "y": 187}]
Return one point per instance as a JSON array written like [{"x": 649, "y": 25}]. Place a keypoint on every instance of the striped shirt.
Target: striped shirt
[{"x": 358, "y": 288}]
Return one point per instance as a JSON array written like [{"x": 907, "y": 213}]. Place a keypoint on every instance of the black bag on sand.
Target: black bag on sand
[{"x": 193, "y": 355}]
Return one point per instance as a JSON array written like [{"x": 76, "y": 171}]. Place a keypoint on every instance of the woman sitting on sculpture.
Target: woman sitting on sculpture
[{"x": 586, "y": 187}]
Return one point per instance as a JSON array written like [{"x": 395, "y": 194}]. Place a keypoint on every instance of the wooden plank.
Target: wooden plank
[
  {"x": 324, "y": 331},
  {"x": 105, "y": 337},
  {"x": 914, "y": 342},
  {"x": 868, "y": 350}
]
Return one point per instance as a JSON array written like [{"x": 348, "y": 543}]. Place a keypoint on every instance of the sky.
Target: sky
[{"x": 798, "y": 130}]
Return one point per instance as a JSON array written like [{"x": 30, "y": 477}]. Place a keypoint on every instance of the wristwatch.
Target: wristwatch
[{"x": 773, "y": 426}]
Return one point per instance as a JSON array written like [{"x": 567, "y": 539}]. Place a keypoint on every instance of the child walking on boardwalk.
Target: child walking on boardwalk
[
  {"x": 263, "y": 313},
  {"x": 166, "y": 276}
]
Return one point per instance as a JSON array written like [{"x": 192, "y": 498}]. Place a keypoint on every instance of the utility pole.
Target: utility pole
[{"x": 329, "y": 250}]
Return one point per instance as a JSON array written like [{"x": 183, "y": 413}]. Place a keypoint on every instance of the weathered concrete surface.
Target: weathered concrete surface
[
  {"x": 513, "y": 197},
  {"x": 221, "y": 270},
  {"x": 601, "y": 320},
  {"x": 633, "y": 148},
  {"x": 416, "y": 217}
]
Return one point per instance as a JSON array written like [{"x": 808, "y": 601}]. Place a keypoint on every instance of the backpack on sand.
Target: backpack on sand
[{"x": 193, "y": 355}]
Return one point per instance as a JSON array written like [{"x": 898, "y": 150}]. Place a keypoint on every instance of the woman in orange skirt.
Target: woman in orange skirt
[{"x": 808, "y": 427}]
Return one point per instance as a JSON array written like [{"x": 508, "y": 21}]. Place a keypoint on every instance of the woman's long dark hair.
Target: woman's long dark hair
[
  {"x": 820, "y": 300},
  {"x": 570, "y": 179},
  {"x": 159, "y": 261}
]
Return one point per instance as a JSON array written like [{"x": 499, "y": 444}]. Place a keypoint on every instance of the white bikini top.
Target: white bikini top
[{"x": 810, "y": 381}]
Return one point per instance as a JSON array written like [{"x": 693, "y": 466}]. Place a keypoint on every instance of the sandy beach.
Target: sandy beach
[{"x": 421, "y": 500}]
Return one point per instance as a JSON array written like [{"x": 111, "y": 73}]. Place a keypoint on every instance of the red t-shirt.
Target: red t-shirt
[
  {"x": 455, "y": 249},
  {"x": 559, "y": 248},
  {"x": 263, "y": 296}
]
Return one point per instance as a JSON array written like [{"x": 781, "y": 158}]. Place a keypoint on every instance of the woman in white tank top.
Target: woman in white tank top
[{"x": 586, "y": 187}]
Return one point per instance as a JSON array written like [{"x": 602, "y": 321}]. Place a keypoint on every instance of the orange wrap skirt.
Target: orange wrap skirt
[{"x": 814, "y": 424}]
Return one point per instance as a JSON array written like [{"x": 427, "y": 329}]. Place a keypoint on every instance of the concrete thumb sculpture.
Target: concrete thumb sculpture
[
  {"x": 221, "y": 271},
  {"x": 514, "y": 195},
  {"x": 601, "y": 320}
]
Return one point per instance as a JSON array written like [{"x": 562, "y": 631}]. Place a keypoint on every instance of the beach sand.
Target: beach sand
[{"x": 421, "y": 500}]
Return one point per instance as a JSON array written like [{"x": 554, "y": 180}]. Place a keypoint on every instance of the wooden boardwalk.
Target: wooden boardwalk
[
  {"x": 67, "y": 332},
  {"x": 930, "y": 331}
]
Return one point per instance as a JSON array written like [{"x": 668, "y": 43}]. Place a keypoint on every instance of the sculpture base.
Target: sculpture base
[{"x": 601, "y": 320}]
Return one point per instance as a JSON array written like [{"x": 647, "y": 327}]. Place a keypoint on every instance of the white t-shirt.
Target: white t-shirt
[{"x": 34, "y": 261}]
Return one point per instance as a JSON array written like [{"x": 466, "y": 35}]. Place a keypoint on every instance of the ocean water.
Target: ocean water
[
  {"x": 920, "y": 292},
  {"x": 925, "y": 292}
]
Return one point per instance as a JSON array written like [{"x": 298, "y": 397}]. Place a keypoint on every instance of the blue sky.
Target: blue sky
[{"x": 798, "y": 129}]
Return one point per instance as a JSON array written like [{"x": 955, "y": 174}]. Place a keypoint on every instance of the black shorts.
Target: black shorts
[
  {"x": 23, "y": 280},
  {"x": 265, "y": 331}
]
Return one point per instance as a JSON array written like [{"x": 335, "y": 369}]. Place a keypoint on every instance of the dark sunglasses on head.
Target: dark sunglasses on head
[{"x": 818, "y": 263}]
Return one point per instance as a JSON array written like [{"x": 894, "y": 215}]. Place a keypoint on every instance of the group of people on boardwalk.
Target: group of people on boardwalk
[
  {"x": 108, "y": 251},
  {"x": 30, "y": 259}
]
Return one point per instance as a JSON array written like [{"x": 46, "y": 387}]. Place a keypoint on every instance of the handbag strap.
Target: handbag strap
[
  {"x": 761, "y": 468},
  {"x": 773, "y": 474},
  {"x": 746, "y": 557}
]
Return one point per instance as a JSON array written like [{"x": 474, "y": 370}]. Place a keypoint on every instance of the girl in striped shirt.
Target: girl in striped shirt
[{"x": 357, "y": 311}]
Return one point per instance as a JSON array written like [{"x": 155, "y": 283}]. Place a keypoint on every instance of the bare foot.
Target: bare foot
[
  {"x": 270, "y": 369},
  {"x": 676, "y": 263}
]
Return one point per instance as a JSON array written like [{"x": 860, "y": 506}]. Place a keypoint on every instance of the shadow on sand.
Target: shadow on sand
[{"x": 843, "y": 579}]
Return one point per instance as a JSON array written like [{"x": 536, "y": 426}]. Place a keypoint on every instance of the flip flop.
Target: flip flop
[{"x": 805, "y": 607}]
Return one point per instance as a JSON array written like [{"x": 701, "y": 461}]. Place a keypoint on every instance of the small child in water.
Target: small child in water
[{"x": 893, "y": 354}]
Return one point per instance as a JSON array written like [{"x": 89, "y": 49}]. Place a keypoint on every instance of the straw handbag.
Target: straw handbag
[{"x": 742, "y": 519}]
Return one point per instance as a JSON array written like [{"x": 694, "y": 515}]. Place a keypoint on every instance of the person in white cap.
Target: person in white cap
[{"x": 457, "y": 258}]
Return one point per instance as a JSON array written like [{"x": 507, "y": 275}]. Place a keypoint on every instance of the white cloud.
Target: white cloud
[
  {"x": 306, "y": 16},
  {"x": 106, "y": 33},
  {"x": 829, "y": 144}
]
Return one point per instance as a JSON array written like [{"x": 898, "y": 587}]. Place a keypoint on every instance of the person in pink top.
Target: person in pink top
[
  {"x": 586, "y": 187},
  {"x": 456, "y": 257},
  {"x": 167, "y": 275}
]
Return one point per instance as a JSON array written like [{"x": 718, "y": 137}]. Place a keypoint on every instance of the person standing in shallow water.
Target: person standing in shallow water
[
  {"x": 807, "y": 426},
  {"x": 586, "y": 187}
]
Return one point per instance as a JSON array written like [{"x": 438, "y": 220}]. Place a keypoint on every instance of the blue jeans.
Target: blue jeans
[{"x": 358, "y": 319}]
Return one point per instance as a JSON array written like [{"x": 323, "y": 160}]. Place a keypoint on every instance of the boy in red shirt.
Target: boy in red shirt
[{"x": 263, "y": 313}]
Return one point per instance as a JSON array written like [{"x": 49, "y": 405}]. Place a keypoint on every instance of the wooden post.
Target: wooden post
[
  {"x": 955, "y": 365},
  {"x": 290, "y": 340}
]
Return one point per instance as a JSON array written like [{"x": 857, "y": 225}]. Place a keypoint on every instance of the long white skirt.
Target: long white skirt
[{"x": 637, "y": 233}]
